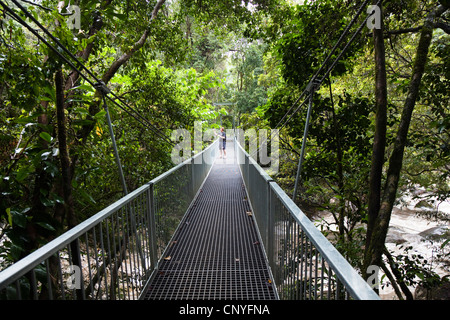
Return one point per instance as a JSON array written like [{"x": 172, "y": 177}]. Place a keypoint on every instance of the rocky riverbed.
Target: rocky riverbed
[
  {"x": 424, "y": 226},
  {"x": 413, "y": 224}
]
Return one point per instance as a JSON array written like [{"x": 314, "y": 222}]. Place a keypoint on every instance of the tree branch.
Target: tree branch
[
  {"x": 398, "y": 276},
  {"x": 97, "y": 24},
  {"x": 138, "y": 45},
  {"x": 402, "y": 31},
  {"x": 437, "y": 25},
  {"x": 444, "y": 27},
  {"x": 441, "y": 25}
]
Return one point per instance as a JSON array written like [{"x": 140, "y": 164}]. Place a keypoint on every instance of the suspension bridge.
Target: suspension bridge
[{"x": 209, "y": 228}]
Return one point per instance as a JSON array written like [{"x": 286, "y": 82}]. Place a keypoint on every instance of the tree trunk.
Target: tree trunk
[
  {"x": 63, "y": 151},
  {"x": 375, "y": 249},
  {"x": 339, "y": 169},
  {"x": 379, "y": 141},
  {"x": 66, "y": 167}
]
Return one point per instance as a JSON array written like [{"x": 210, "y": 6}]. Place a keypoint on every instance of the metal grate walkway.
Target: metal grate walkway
[{"x": 216, "y": 252}]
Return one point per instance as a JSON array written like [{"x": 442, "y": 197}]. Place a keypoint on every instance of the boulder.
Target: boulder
[
  {"x": 440, "y": 292},
  {"x": 423, "y": 204},
  {"x": 395, "y": 235},
  {"x": 436, "y": 233}
]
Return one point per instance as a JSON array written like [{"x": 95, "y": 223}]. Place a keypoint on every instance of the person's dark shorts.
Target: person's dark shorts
[{"x": 222, "y": 146}]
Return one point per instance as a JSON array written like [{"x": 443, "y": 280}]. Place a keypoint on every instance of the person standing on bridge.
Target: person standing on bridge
[{"x": 222, "y": 142}]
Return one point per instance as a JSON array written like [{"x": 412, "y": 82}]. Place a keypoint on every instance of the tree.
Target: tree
[
  {"x": 247, "y": 59},
  {"x": 382, "y": 207},
  {"x": 56, "y": 154},
  {"x": 395, "y": 73}
]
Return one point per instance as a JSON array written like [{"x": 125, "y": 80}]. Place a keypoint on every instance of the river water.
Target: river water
[{"x": 410, "y": 225}]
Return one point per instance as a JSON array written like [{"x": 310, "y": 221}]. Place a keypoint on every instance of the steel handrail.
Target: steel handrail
[
  {"x": 26, "y": 264},
  {"x": 354, "y": 284},
  {"x": 21, "y": 268}
]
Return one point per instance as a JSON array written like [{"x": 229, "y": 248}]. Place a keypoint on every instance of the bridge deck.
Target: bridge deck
[{"x": 216, "y": 252}]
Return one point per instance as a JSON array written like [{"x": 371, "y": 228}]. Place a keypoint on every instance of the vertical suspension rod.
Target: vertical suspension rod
[
  {"x": 104, "y": 90},
  {"x": 305, "y": 137},
  {"x": 113, "y": 139}
]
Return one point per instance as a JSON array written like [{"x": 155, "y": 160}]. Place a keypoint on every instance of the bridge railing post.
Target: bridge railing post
[
  {"x": 193, "y": 178},
  {"x": 270, "y": 227},
  {"x": 152, "y": 228},
  {"x": 303, "y": 263}
]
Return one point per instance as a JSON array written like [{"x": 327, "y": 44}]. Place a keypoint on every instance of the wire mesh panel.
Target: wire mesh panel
[
  {"x": 174, "y": 191},
  {"x": 113, "y": 254},
  {"x": 258, "y": 190},
  {"x": 216, "y": 252},
  {"x": 172, "y": 196},
  {"x": 105, "y": 257},
  {"x": 304, "y": 264},
  {"x": 301, "y": 272}
]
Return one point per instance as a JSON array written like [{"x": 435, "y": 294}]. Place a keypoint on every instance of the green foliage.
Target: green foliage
[
  {"x": 248, "y": 63},
  {"x": 234, "y": 14},
  {"x": 303, "y": 35},
  {"x": 335, "y": 172},
  {"x": 258, "y": 55},
  {"x": 428, "y": 150},
  {"x": 415, "y": 269},
  {"x": 32, "y": 205},
  {"x": 172, "y": 81}
]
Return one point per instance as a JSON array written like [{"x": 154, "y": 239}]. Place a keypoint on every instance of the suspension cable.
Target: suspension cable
[
  {"x": 317, "y": 82},
  {"x": 95, "y": 84}
]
